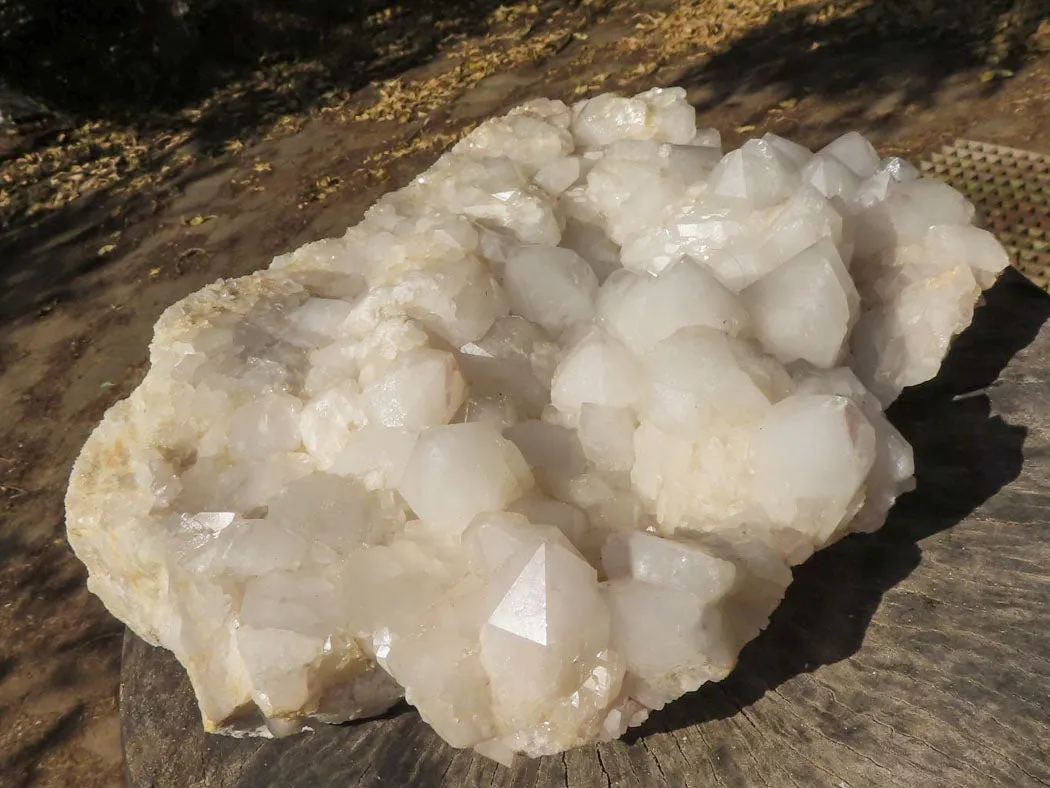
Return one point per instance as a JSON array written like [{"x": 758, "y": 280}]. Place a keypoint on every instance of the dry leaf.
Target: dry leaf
[
  {"x": 198, "y": 220},
  {"x": 106, "y": 249},
  {"x": 993, "y": 74}
]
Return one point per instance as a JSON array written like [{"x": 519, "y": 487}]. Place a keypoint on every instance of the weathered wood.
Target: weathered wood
[{"x": 917, "y": 656}]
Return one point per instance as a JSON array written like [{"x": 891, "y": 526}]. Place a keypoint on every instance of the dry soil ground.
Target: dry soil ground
[{"x": 106, "y": 221}]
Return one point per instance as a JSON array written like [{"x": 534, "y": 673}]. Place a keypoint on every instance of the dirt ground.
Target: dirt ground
[{"x": 105, "y": 221}]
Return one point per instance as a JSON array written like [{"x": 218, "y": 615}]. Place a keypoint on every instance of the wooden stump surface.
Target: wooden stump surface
[{"x": 916, "y": 656}]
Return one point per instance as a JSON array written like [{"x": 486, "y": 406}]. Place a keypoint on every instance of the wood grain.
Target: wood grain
[{"x": 916, "y": 656}]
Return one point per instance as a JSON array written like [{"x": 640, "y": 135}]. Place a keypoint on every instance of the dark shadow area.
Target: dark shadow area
[
  {"x": 9, "y": 545},
  {"x": 896, "y": 48},
  {"x": 963, "y": 456},
  {"x": 45, "y": 262},
  {"x": 40, "y": 571},
  {"x": 133, "y": 59},
  {"x": 20, "y": 766},
  {"x": 103, "y": 644}
]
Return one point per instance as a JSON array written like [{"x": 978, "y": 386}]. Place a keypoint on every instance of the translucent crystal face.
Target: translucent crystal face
[{"x": 534, "y": 445}]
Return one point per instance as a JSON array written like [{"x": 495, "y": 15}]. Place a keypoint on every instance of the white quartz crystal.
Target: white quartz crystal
[{"x": 536, "y": 444}]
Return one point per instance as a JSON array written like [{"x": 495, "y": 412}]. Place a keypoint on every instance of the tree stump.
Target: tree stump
[{"x": 915, "y": 656}]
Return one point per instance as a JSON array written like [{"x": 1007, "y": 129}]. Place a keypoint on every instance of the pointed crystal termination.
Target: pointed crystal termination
[
  {"x": 523, "y": 611},
  {"x": 536, "y": 444}
]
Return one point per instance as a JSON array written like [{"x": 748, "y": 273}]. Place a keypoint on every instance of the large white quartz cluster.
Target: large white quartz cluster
[{"x": 536, "y": 444}]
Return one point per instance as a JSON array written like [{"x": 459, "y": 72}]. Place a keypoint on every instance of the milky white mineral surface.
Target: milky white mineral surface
[{"x": 536, "y": 444}]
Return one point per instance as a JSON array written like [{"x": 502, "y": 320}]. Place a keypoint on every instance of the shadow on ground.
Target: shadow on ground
[
  {"x": 34, "y": 582},
  {"x": 964, "y": 455},
  {"x": 135, "y": 60},
  {"x": 900, "y": 51}
]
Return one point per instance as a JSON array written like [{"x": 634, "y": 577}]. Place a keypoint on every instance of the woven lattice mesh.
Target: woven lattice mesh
[{"x": 1011, "y": 189}]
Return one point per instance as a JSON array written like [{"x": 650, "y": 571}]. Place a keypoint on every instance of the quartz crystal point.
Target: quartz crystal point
[{"x": 536, "y": 444}]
